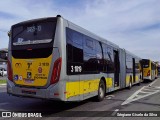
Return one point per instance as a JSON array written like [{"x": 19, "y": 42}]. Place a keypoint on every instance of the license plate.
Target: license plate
[{"x": 29, "y": 92}]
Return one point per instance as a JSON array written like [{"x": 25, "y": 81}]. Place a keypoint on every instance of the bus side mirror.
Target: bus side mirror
[{"x": 9, "y": 33}]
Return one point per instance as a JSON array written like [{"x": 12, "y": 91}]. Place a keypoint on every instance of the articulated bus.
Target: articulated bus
[
  {"x": 52, "y": 58},
  {"x": 149, "y": 69}
]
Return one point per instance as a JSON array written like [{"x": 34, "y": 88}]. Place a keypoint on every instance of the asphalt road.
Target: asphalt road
[{"x": 140, "y": 98}]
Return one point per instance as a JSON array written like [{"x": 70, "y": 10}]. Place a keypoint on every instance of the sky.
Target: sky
[{"x": 131, "y": 24}]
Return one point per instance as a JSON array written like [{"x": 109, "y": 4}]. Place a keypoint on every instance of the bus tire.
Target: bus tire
[
  {"x": 101, "y": 91},
  {"x": 130, "y": 83}
]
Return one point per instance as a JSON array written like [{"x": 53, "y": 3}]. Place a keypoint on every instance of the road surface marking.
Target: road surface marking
[
  {"x": 152, "y": 83},
  {"x": 144, "y": 92},
  {"x": 150, "y": 90},
  {"x": 156, "y": 87},
  {"x": 115, "y": 111},
  {"x": 109, "y": 96},
  {"x": 135, "y": 95},
  {"x": 2, "y": 85}
]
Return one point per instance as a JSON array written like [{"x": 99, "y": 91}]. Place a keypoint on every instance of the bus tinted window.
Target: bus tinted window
[
  {"x": 129, "y": 64},
  {"x": 34, "y": 34},
  {"x": 77, "y": 39},
  {"x": 108, "y": 59},
  {"x": 110, "y": 67},
  {"x": 137, "y": 66},
  {"x": 153, "y": 66},
  {"x": 99, "y": 56},
  {"x": 145, "y": 63},
  {"x": 33, "y": 39},
  {"x": 89, "y": 43},
  {"x": 158, "y": 69},
  {"x": 74, "y": 52},
  {"x": 83, "y": 52},
  {"x": 90, "y": 61}
]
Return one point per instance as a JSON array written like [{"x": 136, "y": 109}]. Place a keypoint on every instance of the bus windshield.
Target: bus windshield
[
  {"x": 33, "y": 33},
  {"x": 145, "y": 63}
]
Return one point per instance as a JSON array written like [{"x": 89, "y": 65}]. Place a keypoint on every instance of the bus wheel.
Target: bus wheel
[
  {"x": 101, "y": 91},
  {"x": 130, "y": 85}
]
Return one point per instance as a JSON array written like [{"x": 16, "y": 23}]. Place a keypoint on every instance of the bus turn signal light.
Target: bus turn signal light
[
  {"x": 9, "y": 71},
  {"x": 148, "y": 74},
  {"x": 56, "y": 71}
]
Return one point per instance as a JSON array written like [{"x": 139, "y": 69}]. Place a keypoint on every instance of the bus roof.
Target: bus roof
[{"x": 33, "y": 20}]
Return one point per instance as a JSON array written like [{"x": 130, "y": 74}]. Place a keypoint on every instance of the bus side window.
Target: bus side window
[
  {"x": 89, "y": 58},
  {"x": 129, "y": 64},
  {"x": 105, "y": 62},
  {"x": 77, "y": 39},
  {"x": 69, "y": 45},
  {"x": 74, "y": 52},
  {"x": 137, "y": 66},
  {"x": 99, "y": 56},
  {"x": 108, "y": 60}
]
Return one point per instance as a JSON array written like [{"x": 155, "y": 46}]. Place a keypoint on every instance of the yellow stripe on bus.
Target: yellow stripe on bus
[
  {"x": 128, "y": 79},
  {"x": 137, "y": 78},
  {"x": 85, "y": 86}
]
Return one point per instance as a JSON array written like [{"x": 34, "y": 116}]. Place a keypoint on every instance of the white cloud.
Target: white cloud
[{"x": 127, "y": 23}]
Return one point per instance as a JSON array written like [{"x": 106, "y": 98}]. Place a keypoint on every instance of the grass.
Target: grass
[{"x": 3, "y": 81}]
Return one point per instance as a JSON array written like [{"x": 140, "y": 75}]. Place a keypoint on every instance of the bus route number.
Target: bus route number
[
  {"x": 76, "y": 69},
  {"x": 34, "y": 28}
]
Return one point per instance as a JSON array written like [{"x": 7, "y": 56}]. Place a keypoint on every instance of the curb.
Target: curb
[{"x": 3, "y": 84}]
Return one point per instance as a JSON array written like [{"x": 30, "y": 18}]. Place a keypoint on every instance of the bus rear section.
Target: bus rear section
[
  {"x": 148, "y": 69},
  {"x": 34, "y": 63}
]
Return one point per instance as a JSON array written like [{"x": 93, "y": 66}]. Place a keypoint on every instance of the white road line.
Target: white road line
[
  {"x": 144, "y": 92},
  {"x": 109, "y": 96},
  {"x": 131, "y": 97},
  {"x": 2, "y": 85},
  {"x": 115, "y": 111},
  {"x": 152, "y": 83},
  {"x": 151, "y": 90},
  {"x": 135, "y": 96}
]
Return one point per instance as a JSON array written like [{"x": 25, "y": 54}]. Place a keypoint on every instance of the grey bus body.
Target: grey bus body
[{"x": 105, "y": 54}]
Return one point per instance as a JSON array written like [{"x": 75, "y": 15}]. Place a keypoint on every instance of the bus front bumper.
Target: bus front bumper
[{"x": 147, "y": 78}]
